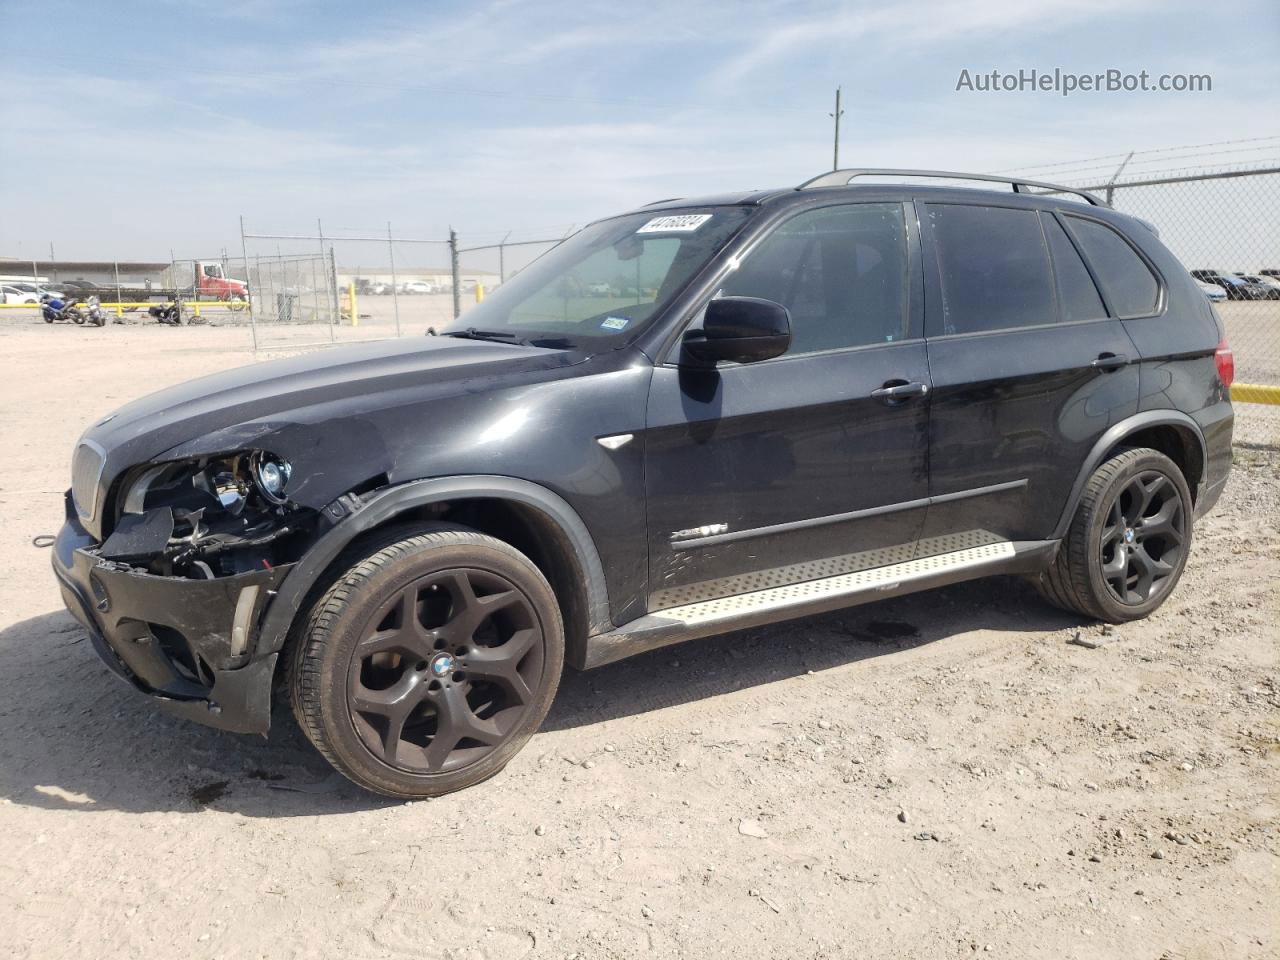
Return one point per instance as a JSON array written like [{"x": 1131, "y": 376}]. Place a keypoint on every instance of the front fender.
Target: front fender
[{"x": 354, "y": 518}]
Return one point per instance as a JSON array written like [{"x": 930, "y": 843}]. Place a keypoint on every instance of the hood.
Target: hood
[{"x": 287, "y": 406}]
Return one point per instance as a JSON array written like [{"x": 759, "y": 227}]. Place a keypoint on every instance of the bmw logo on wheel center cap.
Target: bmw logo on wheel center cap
[{"x": 442, "y": 664}]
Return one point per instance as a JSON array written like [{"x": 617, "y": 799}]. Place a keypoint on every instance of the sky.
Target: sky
[{"x": 137, "y": 130}]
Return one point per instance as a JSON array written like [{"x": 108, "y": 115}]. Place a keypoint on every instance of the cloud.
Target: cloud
[{"x": 905, "y": 26}]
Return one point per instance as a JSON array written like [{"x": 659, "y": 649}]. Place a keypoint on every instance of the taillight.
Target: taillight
[{"x": 1226, "y": 362}]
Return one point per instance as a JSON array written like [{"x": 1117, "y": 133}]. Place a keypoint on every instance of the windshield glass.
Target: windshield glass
[{"x": 607, "y": 280}]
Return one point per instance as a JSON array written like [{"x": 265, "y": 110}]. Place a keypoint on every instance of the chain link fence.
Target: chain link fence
[{"x": 312, "y": 289}]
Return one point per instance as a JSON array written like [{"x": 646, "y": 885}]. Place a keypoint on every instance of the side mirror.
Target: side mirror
[{"x": 741, "y": 330}]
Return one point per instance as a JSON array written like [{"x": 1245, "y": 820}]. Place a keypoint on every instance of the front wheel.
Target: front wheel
[
  {"x": 429, "y": 663},
  {"x": 1128, "y": 541}
]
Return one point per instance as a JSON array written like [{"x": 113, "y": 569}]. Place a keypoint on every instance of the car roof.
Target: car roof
[
  {"x": 789, "y": 195},
  {"x": 904, "y": 185}
]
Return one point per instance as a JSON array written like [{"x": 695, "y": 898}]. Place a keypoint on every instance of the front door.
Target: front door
[{"x": 800, "y": 467}]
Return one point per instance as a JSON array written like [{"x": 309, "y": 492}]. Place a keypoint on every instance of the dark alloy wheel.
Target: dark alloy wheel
[
  {"x": 1142, "y": 539},
  {"x": 445, "y": 671},
  {"x": 1127, "y": 544},
  {"x": 429, "y": 663}
]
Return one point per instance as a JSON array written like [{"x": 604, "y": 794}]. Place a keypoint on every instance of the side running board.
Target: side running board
[{"x": 725, "y": 614}]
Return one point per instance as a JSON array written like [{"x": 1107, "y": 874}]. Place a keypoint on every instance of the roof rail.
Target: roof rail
[{"x": 842, "y": 178}]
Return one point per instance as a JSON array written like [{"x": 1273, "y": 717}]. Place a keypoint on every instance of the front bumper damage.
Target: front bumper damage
[{"x": 189, "y": 644}]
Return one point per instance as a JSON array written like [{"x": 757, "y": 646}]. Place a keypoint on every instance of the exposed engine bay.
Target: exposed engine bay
[{"x": 209, "y": 518}]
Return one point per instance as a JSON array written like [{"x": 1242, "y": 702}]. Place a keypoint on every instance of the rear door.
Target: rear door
[{"x": 1029, "y": 368}]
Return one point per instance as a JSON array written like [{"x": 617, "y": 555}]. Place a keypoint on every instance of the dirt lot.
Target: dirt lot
[{"x": 938, "y": 776}]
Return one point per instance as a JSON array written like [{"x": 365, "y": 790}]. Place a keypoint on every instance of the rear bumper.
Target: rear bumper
[{"x": 172, "y": 638}]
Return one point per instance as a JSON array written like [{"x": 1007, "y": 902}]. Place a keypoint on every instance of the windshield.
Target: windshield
[{"x": 607, "y": 280}]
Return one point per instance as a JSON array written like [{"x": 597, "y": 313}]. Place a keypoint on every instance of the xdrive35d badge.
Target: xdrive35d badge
[{"x": 699, "y": 416}]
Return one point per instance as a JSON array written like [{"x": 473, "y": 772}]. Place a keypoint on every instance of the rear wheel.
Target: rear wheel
[
  {"x": 1128, "y": 542},
  {"x": 429, "y": 663}
]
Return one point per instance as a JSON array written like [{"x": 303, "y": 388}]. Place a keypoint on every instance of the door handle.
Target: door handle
[
  {"x": 895, "y": 390},
  {"x": 1110, "y": 361}
]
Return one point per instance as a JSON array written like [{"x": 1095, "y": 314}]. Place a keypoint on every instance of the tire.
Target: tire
[
  {"x": 1128, "y": 542},
  {"x": 429, "y": 663}
]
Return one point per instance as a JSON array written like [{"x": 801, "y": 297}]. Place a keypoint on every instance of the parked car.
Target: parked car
[
  {"x": 418, "y": 287},
  {"x": 1236, "y": 288},
  {"x": 36, "y": 289},
  {"x": 1215, "y": 293},
  {"x": 412, "y": 537},
  {"x": 1272, "y": 286},
  {"x": 15, "y": 294},
  {"x": 1270, "y": 272},
  {"x": 83, "y": 288},
  {"x": 599, "y": 289}
]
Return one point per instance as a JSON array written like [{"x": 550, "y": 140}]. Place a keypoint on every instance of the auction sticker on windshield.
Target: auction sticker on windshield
[{"x": 681, "y": 223}]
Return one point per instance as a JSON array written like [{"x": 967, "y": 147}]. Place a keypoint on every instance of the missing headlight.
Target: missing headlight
[{"x": 230, "y": 514}]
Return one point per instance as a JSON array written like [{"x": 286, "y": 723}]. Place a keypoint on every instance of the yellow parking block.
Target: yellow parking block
[{"x": 1254, "y": 393}]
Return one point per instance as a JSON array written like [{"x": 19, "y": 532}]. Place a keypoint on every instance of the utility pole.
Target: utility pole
[
  {"x": 457, "y": 273},
  {"x": 835, "y": 153}
]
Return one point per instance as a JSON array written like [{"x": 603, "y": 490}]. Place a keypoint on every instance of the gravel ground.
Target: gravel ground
[{"x": 937, "y": 776}]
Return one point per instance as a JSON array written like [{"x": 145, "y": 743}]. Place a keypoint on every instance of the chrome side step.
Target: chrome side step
[{"x": 725, "y": 614}]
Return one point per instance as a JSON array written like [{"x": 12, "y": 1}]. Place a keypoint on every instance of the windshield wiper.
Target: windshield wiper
[{"x": 471, "y": 333}]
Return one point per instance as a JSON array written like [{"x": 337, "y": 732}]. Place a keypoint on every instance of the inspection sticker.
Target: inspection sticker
[
  {"x": 681, "y": 223},
  {"x": 614, "y": 323}
]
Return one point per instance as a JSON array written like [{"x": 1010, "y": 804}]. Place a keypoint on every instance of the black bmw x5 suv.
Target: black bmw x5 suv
[{"x": 695, "y": 417}]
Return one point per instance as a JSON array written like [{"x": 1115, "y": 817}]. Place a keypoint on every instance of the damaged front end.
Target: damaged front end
[
  {"x": 208, "y": 518},
  {"x": 174, "y": 595}
]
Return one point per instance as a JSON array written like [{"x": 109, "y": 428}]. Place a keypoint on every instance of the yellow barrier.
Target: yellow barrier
[
  {"x": 1254, "y": 393},
  {"x": 479, "y": 293},
  {"x": 351, "y": 292}
]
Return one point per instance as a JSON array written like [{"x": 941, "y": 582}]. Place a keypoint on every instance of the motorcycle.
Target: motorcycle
[
  {"x": 54, "y": 309},
  {"x": 96, "y": 316},
  {"x": 167, "y": 313}
]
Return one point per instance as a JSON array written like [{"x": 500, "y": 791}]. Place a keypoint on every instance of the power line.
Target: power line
[
  {"x": 1139, "y": 153},
  {"x": 1211, "y": 168}
]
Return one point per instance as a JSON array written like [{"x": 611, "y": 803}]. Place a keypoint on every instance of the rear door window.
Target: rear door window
[
  {"x": 1128, "y": 282},
  {"x": 1078, "y": 297},
  {"x": 993, "y": 268}
]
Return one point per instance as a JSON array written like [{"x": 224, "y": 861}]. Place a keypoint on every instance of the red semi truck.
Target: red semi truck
[{"x": 185, "y": 280}]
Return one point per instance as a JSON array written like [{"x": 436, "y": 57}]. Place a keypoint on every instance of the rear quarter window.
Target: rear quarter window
[
  {"x": 1128, "y": 283},
  {"x": 1078, "y": 297}
]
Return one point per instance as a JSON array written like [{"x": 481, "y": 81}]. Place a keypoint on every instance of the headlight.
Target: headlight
[{"x": 271, "y": 476}]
